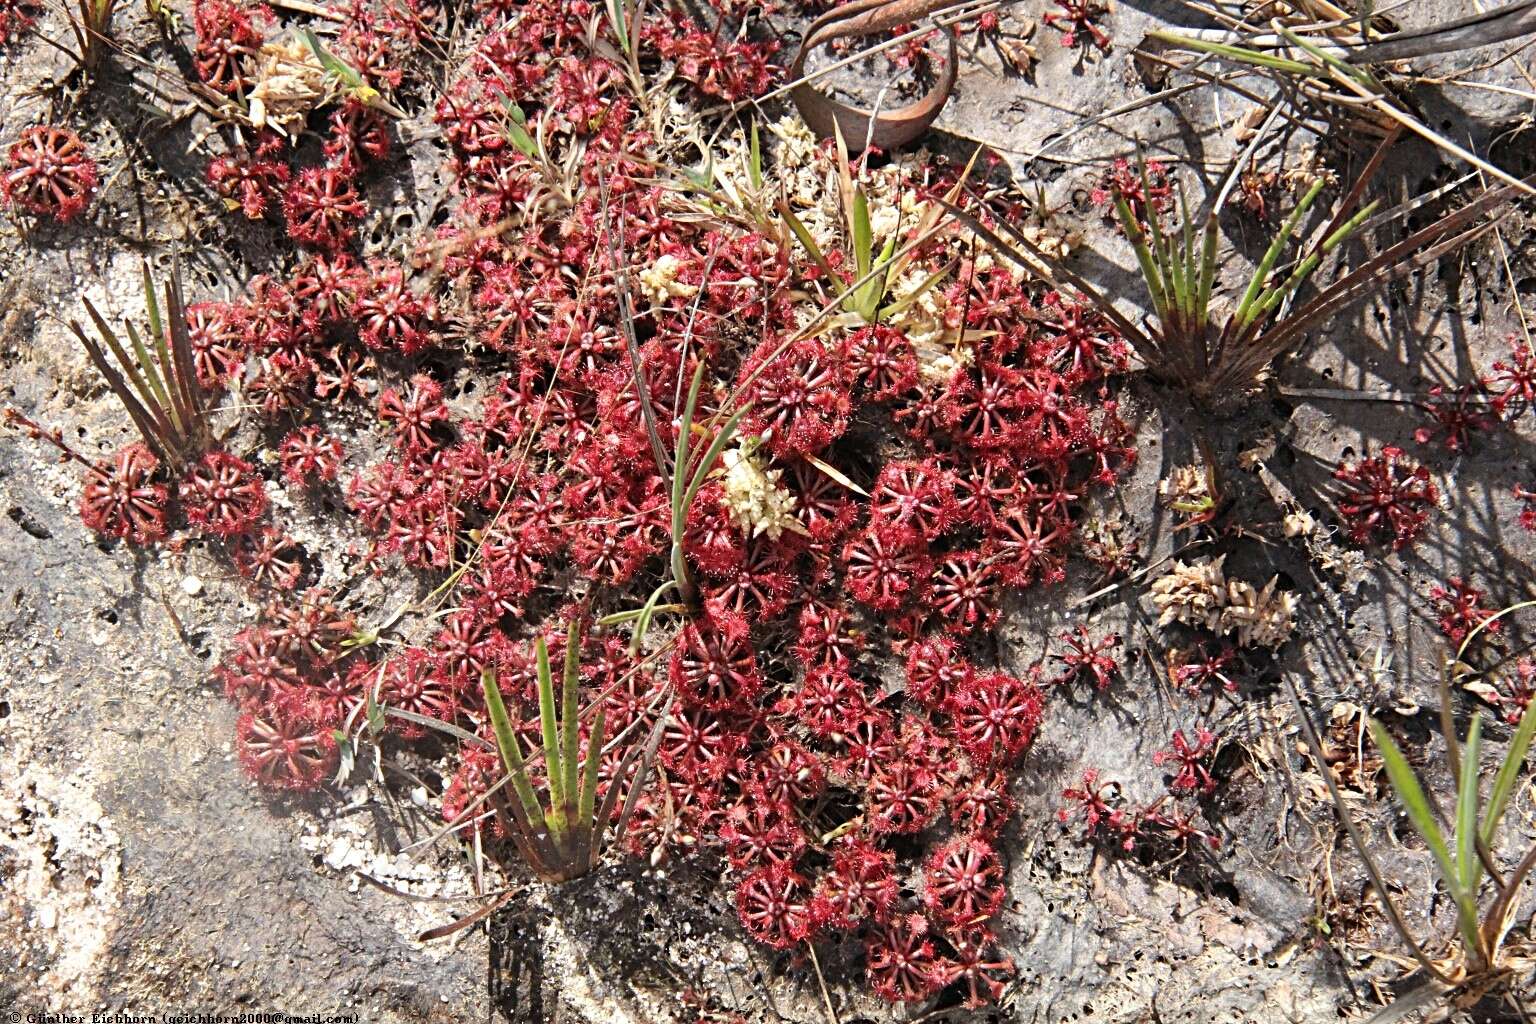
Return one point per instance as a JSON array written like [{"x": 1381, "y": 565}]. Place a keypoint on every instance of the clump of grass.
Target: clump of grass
[
  {"x": 1217, "y": 359},
  {"x": 91, "y": 23},
  {"x": 1478, "y": 962},
  {"x": 158, "y": 383},
  {"x": 560, "y": 834},
  {"x": 1189, "y": 347},
  {"x": 869, "y": 298}
]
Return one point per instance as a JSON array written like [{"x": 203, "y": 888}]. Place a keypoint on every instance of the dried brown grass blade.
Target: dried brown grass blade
[
  {"x": 886, "y": 129},
  {"x": 151, "y": 425},
  {"x": 1047, "y": 269},
  {"x": 469, "y": 920},
  {"x": 1394, "y": 913},
  {"x": 642, "y": 773}
]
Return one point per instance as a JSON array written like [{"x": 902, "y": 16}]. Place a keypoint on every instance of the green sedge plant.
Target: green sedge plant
[
  {"x": 1217, "y": 358},
  {"x": 560, "y": 832},
  {"x": 154, "y": 375},
  {"x": 91, "y": 23},
  {"x": 1478, "y": 961},
  {"x": 687, "y": 477},
  {"x": 1179, "y": 266},
  {"x": 872, "y": 298}
]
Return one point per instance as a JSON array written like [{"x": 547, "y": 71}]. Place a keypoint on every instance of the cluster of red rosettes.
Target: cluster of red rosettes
[
  {"x": 1078, "y": 22},
  {"x": 1385, "y": 498},
  {"x": 1458, "y": 413},
  {"x": 1165, "y": 828},
  {"x": 125, "y": 496},
  {"x": 1459, "y": 607},
  {"x": 294, "y": 684},
  {"x": 48, "y": 173},
  {"x": 719, "y": 64},
  {"x": 837, "y": 746}
]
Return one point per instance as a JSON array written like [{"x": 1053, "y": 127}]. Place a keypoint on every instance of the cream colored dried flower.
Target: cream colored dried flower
[
  {"x": 1260, "y": 618},
  {"x": 922, "y": 318},
  {"x": 936, "y": 364},
  {"x": 757, "y": 502},
  {"x": 291, "y": 83},
  {"x": 1192, "y": 593},
  {"x": 1298, "y": 523},
  {"x": 659, "y": 280},
  {"x": 1054, "y": 242}
]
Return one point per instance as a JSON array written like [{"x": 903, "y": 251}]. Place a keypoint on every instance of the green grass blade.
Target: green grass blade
[
  {"x": 1177, "y": 264},
  {"x": 874, "y": 288},
  {"x": 1349, "y": 227},
  {"x": 1207, "y": 272},
  {"x": 570, "y": 718},
  {"x": 179, "y": 399},
  {"x": 1509, "y": 772},
  {"x": 680, "y": 454},
  {"x": 1248, "y": 309},
  {"x": 646, "y": 613},
  {"x": 1189, "y": 257},
  {"x": 587, "y": 804},
  {"x": 1359, "y": 74},
  {"x": 556, "y": 816},
  {"x": 506, "y": 743},
  {"x": 1154, "y": 219},
  {"x": 722, "y": 439},
  {"x": 152, "y": 305},
  {"x": 804, "y": 236},
  {"x": 755, "y": 162},
  {"x": 1274, "y": 296},
  {"x": 863, "y": 240},
  {"x": 1409, "y": 793},
  {"x": 150, "y": 369},
  {"x": 1149, "y": 271},
  {"x": 617, "y": 21},
  {"x": 917, "y": 293},
  {"x": 1468, "y": 867},
  {"x": 1239, "y": 53}
]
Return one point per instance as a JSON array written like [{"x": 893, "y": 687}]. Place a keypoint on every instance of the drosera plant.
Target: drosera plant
[
  {"x": 1217, "y": 361},
  {"x": 1480, "y": 961},
  {"x": 843, "y": 808},
  {"x": 49, "y": 173},
  {"x": 1386, "y": 497}
]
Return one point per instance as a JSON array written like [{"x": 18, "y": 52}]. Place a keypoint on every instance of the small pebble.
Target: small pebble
[{"x": 191, "y": 586}]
